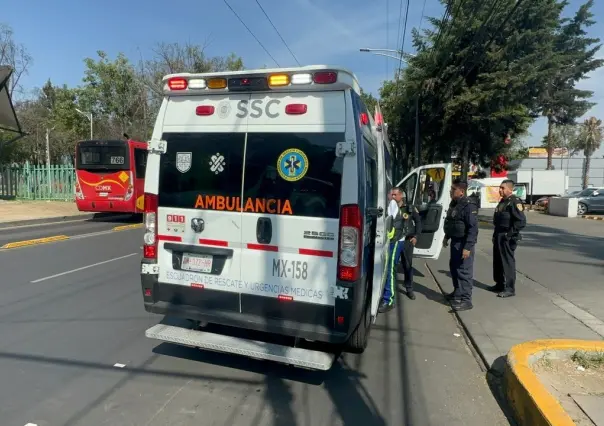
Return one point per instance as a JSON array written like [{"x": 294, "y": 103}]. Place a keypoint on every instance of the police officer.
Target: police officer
[
  {"x": 461, "y": 227},
  {"x": 509, "y": 219},
  {"x": 404, "y": 226}
]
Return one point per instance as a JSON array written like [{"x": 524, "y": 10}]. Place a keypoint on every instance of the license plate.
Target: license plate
[
  {"x": 197, "y": 262},
  {"x": 103, "y": 194}
]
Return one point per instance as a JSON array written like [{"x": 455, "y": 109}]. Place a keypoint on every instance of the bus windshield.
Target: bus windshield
[{"x": 102, "y": 155}]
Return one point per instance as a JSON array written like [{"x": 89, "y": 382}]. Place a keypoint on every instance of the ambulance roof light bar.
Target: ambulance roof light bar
[{"x": 299, "y": 79}]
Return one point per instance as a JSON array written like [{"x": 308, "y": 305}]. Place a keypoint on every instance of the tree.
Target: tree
[
  {"x": 590, "y": 139},
  {"x": 171, "y": 58},
  {"x": 114, "y": 94},
  {"x": 478, "y": 82},
  {"x": 564, "y": 136},
  {"x": 561, "y": 103},
  {"x": 14, "y": 55},
  {"x": 369, "y": 100}
]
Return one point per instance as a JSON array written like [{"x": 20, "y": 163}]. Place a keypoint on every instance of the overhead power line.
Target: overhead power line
[
  {"x": 278, "y": 33},
  {"x": 252, "y": 34}
]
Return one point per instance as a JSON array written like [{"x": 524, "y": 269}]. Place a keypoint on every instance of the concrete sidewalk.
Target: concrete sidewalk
[
  {"x": 565, "y": 255},
  {"x": 21, "y": 212},
  {"x": 555, "y": 298}
]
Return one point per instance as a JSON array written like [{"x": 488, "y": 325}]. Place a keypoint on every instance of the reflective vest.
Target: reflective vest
[{"x": 402, "y": 225}]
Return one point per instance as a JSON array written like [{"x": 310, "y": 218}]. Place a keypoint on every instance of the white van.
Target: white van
[{"x": 264, "y": 199}]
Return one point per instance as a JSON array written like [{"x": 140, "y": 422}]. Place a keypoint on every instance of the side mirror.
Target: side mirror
[{"x": 595, "y": 194}]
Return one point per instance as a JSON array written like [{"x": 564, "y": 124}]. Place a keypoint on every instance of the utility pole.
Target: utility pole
[
  {"x": 48, "y": 174},
  {"x": 417, "y": 142},
  {"x": 89, "y": 117}
]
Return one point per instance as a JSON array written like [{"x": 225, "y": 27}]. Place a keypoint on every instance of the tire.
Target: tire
[
  {"x": 357, "y": 342},
  {"x": 582, "y": 209}
]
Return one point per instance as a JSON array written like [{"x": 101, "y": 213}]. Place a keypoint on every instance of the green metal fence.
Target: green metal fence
[{"x": 37, "y": 182}]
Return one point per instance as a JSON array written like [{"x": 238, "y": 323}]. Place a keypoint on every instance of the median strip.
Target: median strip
[
  {"x": 36, "y": 241},
  {"x": 126, "y": 227}
]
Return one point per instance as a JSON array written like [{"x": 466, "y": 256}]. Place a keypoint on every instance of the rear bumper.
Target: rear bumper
[
  {"x": 118, "y": 206},
  {"x": 263, "y": 314}
]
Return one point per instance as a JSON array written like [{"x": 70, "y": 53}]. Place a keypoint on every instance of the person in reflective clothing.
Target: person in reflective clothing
[
  {"x": 461, "y": 227},
  {"x": 404, "y": 225},
  {"x": 509, "y": 219}
]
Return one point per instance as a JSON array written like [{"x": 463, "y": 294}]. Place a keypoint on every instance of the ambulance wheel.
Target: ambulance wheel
[{"x": 357, "y": 342}]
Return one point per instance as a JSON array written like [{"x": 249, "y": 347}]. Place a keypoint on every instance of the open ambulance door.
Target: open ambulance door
[
  {"x": 384, "y": 174},
  {"x": 427, "y": 189}
]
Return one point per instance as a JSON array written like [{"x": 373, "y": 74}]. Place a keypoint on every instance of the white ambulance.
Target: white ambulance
[{"x": 265, "y": 193}]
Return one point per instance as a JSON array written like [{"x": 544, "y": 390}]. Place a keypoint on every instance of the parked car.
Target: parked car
[
  {"x": 591, "y": 200},
  {"x": 542, "y": 203}
]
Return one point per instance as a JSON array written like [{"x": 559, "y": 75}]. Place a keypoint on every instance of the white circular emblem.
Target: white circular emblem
[{"x": 224, "y": 109}]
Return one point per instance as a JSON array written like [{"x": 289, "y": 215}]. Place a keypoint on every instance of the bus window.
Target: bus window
[{"x": 140, "y": 162}]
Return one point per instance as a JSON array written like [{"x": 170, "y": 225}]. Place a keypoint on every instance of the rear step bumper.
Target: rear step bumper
[{"x": 299, "y": 357}]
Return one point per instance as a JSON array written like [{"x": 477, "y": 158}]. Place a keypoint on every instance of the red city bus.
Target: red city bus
[{"x": 110, "y": 176}]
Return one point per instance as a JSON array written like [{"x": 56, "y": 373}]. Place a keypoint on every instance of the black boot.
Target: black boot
[{"x": 461, "y": 305}]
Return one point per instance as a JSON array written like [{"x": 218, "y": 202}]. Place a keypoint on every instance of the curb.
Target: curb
[
  {"x": 59, "y": 219},
  {"x": 42, "y": 221},
  {"x": 530, "y": 400},
  {"x": 593, "y": 217}
]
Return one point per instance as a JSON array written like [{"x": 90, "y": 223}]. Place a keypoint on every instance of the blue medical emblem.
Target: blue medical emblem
[{"x": 292, "y": 164}]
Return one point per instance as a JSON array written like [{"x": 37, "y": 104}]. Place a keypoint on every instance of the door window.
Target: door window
[
  {"x": 295, "y": 174},
  {"x": 202, "y": 170}
]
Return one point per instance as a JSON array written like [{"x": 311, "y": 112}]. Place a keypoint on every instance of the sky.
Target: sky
[{"x": 317, "y": 31}]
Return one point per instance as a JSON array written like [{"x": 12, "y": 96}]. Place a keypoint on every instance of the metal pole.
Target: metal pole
[
  {"x": 89, "y": 117},
  {"x": 532, "y": 188},
  {"x": 417, "y": 144},
  {"x": 48, "y": 160}
]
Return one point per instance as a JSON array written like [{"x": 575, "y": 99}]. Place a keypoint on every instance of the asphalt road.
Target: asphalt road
[
  {"x": 66, "y": 321},
  {"x": 68, "y": 228},
  {"x": 566, "y": 255}
]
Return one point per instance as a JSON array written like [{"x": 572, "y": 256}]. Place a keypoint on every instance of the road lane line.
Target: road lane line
[
  {"x": 83, "y": 267},
  {"x": 25, "y": 243},
  {"x": 126, "y": 227}
]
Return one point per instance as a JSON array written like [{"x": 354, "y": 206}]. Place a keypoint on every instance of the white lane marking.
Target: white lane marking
[
  {"x": 31, "y": 424},
  {"x": 83, "y": 267},
  {"x": 118, "y": 365}
]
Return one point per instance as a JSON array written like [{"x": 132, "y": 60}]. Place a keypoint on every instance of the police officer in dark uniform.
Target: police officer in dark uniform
[
  {"x": 404, "y": 228},
  {"x": 461, "y": 227},
  {"x": 509, "y": 219}
]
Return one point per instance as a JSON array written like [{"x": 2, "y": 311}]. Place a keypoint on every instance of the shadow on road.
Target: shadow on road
[
  {"x": 342, "y": 384},
  {"x": 477, "y": 284},
  {"x": 116, "y": 218}
]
